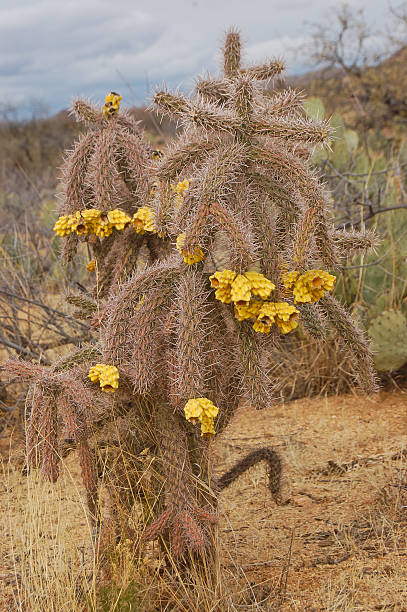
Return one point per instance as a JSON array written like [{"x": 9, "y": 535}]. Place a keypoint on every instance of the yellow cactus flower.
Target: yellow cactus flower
[
  {"x": 311, "y": 286},
  {"x": 63, "y": 227},
  {"x": 112, "y": 104},
  {"x": 260, "y": 285},
  {"x": 87, "y": 221},
  {"x": 201, "y": 410},
  {"x": 109, "y": 379},
  {"x": 154, "y": 188},
  {"x": 119, "y": 219},
  {"x": 223, "y": 294},
  {"x": 190, "y": 256},
  {"x": 260, "y": 326},
  {"x": 248, "y": 311},
  {"x": 222, "y": 278},
  {"x": 286, "y": 316},
  {"x": 140, "y": 303},
  {"x": 78, "y": 224},
  {"x": 241, "y": 290},
  {"x": 265, "y": 318},
  {"x": 91, "y": 215},
  {"x": 193, "y": 410},
  {"x": 289, "y": 278},
  {"x": 95, "y": 371},
  {"x": 283, "y": 314},
  {"x": 179, "y": 190},
  {"x": 207, "y": 428},
  {"x": 222, "y": 282},
  {"x": 91, "y": 267},
  {"x": 182, "y": 186},
  {"x": 106, "y": 375},
  {"x": 104, "y": 228},
  {"x": 209, "y": 408},
  {"x": 144, "y": 221}
]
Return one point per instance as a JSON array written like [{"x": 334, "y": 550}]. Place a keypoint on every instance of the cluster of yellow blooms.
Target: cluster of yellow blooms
[
  {"x": 239, "y": 288},
  {"x": 190, "y": 256},
  {"x": 201, "y": 410},
  {"x": 179, "y": 191},
  {"x": 264, "y": 314},
  {"x": 106, "y": 375},
  {"x": 309, "y": 286},
  {"x": 93, "y": 221},
  {"x": 242, "y": 288},
  {"x": 112, "y": 104},
  {"x": 284, "y": 315}
]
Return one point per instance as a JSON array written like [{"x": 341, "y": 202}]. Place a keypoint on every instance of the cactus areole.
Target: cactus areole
[{"x": 203, "y": 258}]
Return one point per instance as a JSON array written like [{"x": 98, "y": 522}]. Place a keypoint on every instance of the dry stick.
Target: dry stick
[{"x": 44, "y": 306}]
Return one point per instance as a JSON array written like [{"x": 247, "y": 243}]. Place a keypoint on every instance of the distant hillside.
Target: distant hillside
[{"x": 372, "y": 97}]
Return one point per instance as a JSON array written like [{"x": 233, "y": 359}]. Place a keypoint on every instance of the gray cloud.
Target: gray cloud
[{"x": 55, "y": 49}]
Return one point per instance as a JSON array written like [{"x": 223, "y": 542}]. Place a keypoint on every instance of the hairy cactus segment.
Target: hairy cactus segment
[
  {"x": 264, "y": 71},
  {"x": 354, "y": 342},
  {"x": 86, "y": 112},
  {"x": 231, "y": 53},
  {"x": 190, "y": 255}
]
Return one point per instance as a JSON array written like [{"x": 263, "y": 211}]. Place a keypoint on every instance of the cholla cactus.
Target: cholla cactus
[
  {"x": 232, "y": 230},
  {"x": 253, "y": 238}
]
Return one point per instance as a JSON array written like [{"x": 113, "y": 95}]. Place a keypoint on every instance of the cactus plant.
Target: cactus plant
[{"x": 198, "y": 276}]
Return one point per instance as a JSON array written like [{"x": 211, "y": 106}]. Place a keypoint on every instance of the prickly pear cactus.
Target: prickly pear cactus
[{"x": 388, "y": 332}]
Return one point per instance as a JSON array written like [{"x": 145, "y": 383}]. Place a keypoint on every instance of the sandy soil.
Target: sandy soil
[{"x": 338, "y": 541}]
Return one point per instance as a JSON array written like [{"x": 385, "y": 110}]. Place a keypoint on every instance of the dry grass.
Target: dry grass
[
  {"x": 338, "y": 542},
  {"x": 49, "y": 549}
]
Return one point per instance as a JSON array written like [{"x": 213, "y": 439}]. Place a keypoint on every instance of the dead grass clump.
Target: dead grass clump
[
  {"x": 305, "y": 367},
  {"x": 49, "y": 556}
]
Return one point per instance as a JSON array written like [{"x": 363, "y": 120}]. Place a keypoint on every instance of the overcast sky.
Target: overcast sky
[{"x": 53, "y": 50}]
